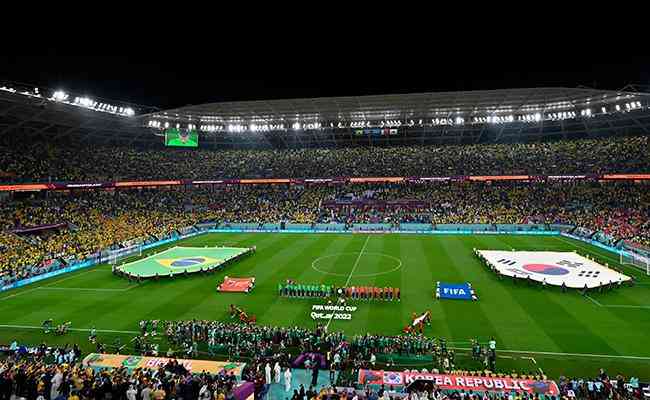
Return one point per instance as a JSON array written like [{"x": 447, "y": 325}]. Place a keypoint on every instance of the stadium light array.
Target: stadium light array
[
  {"x": 441, "y": 121},
  {"x": 211, "y": 128},
  {"x": 633, "y": 105},
  {"x": 60, "y": 95},
  {"x": 560, "y": 116},
  {"x": 500, "y": 119},
  {"x": 501, "y": 116},
  {"x": 237, "y": 128},
  {"x": 357, "y": 124}
]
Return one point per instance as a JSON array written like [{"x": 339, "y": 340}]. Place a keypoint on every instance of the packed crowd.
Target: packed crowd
[
  {"x": 96, "y": 220},
  {"x": 92, "y": 221},
  {"x": 272, "y": 356},
  {"x": 282, "y": 345},
  {"x": 600, "y": 387},
  {"x": 48, "y": 162},
  {"x": 36, "y": 377}
]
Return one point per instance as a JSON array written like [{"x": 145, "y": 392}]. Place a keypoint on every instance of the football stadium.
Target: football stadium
[{"x": 420, "y": 245}]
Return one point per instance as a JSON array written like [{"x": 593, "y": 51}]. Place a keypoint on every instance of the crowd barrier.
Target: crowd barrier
[
  {"x": 320, "y": 181},
  {"x": 319, "y": 228}
]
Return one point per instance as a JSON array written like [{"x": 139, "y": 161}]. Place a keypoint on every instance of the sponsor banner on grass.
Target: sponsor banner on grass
[
  {"x": 454, "y": 291},
  {"x": 110, "y": 361},
  {"x": 329, "y": 311},
  {"x": 459, "y": 382}
]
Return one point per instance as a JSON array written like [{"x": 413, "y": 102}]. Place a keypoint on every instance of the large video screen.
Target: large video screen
[{"x": 181, "y": 138}]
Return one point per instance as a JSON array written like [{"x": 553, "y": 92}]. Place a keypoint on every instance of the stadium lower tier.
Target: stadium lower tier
[{"x": 40, "y": 234}]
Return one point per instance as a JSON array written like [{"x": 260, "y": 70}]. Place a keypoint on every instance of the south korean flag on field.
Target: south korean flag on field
[{"x": 554, "y": 268}]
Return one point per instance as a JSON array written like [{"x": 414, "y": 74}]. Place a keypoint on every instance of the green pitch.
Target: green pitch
[
  {"x": 178, "y": 260},
  {"x": 562, "y": 333}
]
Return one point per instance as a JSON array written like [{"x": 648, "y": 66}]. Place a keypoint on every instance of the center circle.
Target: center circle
[{"x": 320, "y": 264}]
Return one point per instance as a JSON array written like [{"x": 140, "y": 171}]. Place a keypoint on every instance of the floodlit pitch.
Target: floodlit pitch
[{"x": 565, "y": 333}]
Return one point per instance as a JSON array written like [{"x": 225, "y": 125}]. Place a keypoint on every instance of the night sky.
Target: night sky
[{"x": 168, "y": 83}]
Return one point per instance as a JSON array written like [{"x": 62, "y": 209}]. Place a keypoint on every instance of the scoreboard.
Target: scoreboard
[{"x": 181, "y": 138}]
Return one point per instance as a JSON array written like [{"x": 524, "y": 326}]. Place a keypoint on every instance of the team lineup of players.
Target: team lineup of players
[{"x": 293, "y": 289}]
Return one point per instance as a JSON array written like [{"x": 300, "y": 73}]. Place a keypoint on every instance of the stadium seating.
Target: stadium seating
[
  {"x": 46, "y": 162},
  {"x": 95, "y": 220},
  {"x": 41, "y": 232},
  {"x": 57, "y": 372}
]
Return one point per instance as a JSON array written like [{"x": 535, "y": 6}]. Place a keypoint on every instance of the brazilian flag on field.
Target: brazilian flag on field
[{"x": 188, "y": 262}]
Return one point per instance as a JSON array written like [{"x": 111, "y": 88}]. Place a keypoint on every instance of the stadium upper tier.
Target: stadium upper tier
[
  {"x": 407, "y": 119},
  {"x": 45, "y": 161}
]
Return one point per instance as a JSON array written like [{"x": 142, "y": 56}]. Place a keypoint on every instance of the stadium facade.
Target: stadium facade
[{"x": 490, "y": 116}]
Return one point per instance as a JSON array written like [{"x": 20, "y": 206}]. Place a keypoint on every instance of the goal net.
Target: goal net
[
  {"x": 637, "y": 260},
  {"x": 118, "y": 255}
]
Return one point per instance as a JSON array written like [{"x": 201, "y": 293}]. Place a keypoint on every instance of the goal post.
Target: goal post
[
  {"x": 117, "y": 255},
  {"x": 637, "y": 260}
]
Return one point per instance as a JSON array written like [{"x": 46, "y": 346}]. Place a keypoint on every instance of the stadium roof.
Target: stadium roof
[
  {"x": 401, "y": 106},
  {"x": 447, "y": 117}
]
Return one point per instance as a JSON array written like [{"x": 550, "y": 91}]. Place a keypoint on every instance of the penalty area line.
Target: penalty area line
[
  {"x": 87, "y": 289},
  {"x": 596, "y": 302},
  {"x": 632, "y": 306},
  {"x": 50, "y": 284}
]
